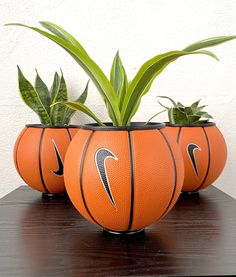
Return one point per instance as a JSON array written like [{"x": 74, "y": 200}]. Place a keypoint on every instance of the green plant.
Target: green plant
[
  {"x": 122, "y": 98},
  {"x": 40, "y": 99},
  {"x": 180, "y": 114}
]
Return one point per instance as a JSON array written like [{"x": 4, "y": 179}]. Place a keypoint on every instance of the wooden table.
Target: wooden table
[{"x": 47, "y": 237}]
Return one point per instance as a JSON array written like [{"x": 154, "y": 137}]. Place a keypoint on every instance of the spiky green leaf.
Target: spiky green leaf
[
  {"x": 43, "y": 92},
  {"x": 204, "y": 115},
  {"x": 31, "y": 98},
  {"x": 70, "y": 112},
  {"x": 194, "y": 106},
  {"x": 193, "y": 118},
  {"x": 55, "y": 85},
  {"x": 180, "y": 105},
  {"x": 57, "y": 112}
]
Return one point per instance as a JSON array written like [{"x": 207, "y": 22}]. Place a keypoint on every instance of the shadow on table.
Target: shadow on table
[{"x": 54, "y": 236}]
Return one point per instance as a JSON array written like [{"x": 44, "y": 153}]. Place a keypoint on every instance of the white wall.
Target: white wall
[{"x": 140, "y": 29}]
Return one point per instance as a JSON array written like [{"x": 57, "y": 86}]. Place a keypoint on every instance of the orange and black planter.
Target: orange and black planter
[
  {"x": 39, "y": 154},
  {"x": 123, "y": 178},
  {"x": 204, "y": 152}
]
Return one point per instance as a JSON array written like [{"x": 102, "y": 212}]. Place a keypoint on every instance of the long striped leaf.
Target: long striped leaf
[
  {"x": 148, "y": 71},
  {"x": 90, "y": 67},
  {"x": 32, "y": 99},
  {"x": 150, "y": 83},
  {"x": 83, "y": 108},
  {"x": 209, "y": 42},
  {"x": 60, "y": 32},
  {"x": 118, "y": 78}
]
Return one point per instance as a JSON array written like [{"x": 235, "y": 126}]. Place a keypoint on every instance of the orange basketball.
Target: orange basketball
[
  {"x": 204, "y": 152},
  {"x": 123, "y": 178},
  {"x": 39, "y": 154}
]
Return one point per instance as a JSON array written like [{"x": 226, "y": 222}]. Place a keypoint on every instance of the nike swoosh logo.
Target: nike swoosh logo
[
  {"x": 60, "y": 170},
  {"x": 191, "y": 148},
  {"x": 101, "y": 155}
]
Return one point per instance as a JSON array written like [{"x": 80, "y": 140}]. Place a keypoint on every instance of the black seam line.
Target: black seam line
[
  {"x": 40, "y": 165},
  {"x": 209, "y": 160},
  {"x": 175, "y": 173},
  {"x": 69, "y": 134},
  {"x": 132, "y": 180},
  {"x": 81, "y": 177},
  {"x": 17, "y": 146},
  {"x": 178, "y": 136}
]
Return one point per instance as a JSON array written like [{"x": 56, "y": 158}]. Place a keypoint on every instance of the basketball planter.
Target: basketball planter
[
  {"x": 204, "y": 152},
  {"x": 39, "y": 156},
  {"x": 202, "y": 145},
  {"x": 123, "y": 178},
  {"x": 40, "y": 148}
]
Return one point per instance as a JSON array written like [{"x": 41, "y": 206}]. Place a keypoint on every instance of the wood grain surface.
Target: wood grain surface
[{"x": 47, "y": 237}]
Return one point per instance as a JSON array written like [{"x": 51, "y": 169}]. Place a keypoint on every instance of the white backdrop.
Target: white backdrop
[{"x": 139, "y": 29}]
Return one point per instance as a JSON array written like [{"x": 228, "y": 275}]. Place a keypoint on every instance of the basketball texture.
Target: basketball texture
[
  {"x": 204, "y": 153},
  {"x": 123, "y": 178},
  {"x": 39, "y": 155}
]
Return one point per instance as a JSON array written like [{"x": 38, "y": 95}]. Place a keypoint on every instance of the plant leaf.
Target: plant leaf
[
  {"x": 83, "y": 108},
  {"x": 82, "y": 98},
  {"x": 193, "y": 118},
  {"x": 118, "y": 78},
  {"x": 60, "y": 32},
  {"x": 70, "y": 112},
  {"x": 32, "y": 99},
  {"x": 171, "y": 100},
  {"x": 194, "y": 106},
  {"x": 57, "y": 112},
  {"x": 180, "y": 105},
  {"x": 90, "y": 67},
  {"x": 176, "y": 116},
  {"x": 204, "y": 115},
  {"x": 43, "y": 92},
  {"x": 149, "y": 70},
  {"x": 208, "y": 53},
  {"x": 209, "y": 42},
  {"x": 167, "y": 108},
  {"x": 151, "y": 118},
  {"x": 201, "y": 107},
  {"x": 187, "y": 110},
  {"x": 55, "y": 86},
  {"x": 171, "y": 115}
]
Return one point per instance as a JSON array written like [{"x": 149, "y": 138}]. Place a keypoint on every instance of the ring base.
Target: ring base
[
  {"x": 123, "y": 233},
  {"x": 54, "y": 195},
  {"x": 190, "y": 192}
]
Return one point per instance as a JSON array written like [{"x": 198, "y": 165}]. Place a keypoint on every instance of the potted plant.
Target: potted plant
[
  {"x": 40, "y": 148},
  {"x": 121, "y": 175},
  {"x": 202, "y": 144}
]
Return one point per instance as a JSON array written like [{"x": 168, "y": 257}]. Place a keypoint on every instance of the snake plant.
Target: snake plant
[
  {"x": 122, "y": 97},
  {"x": 40, "y": 99},
  {"x": 180, "y": 114}
]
